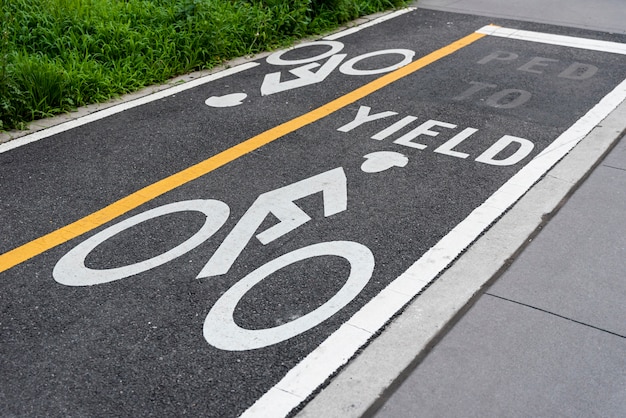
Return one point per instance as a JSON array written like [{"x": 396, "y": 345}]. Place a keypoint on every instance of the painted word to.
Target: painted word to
[{"x": 509, "y": 98}]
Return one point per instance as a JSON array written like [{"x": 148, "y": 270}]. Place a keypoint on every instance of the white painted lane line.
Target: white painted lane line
[
  {"x": 547, "y": 38},
  {"x": 368, "y": 24},
  {"x": 45, "y": 133},
  {"x": 356, "y": 389},
  {"x": 302, "y": 380}
]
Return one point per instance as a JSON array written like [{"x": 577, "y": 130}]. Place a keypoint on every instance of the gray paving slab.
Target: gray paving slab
[
  {"x": 575, "y": 266},
  {"x": 505, "y": 359},
  {"x": 605, "y": 15}
]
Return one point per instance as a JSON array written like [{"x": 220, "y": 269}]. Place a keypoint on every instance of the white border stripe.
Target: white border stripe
[
  {"x": 546, "y": 38},
  {"x": 381, "y": 19},
  {"x": 66, "y": 126},
  {"x": 302, "y": 380}
]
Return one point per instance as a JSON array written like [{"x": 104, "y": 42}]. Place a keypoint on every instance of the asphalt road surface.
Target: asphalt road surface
[{"x": 183, "y": 256}]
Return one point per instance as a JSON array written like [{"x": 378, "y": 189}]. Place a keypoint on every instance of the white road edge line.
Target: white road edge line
[
  {"x": 381, "y": 19},
  {"x": 360, "y": 388},
  {"x": 303, "y": 379},
  {"x": 561, "y": 40},
  {"x": 83, "y": 120}
]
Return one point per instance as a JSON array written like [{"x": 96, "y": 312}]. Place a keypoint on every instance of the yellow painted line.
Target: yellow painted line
[{"x": 132, "y": 201}]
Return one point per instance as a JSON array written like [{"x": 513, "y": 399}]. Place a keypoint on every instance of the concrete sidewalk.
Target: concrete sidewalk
[
  {"x": 548, "y": 338},
  {"x": 601, "y": 15}
]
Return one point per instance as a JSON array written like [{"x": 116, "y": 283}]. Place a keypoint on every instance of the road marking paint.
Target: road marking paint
[
  {"x": 101, "y": 114},
  {"x": 303, "y": 379},
  {"x": 132, "y": 201},
  {"x": 561, "y": 40},
  {"x": 381, "y": 19}
]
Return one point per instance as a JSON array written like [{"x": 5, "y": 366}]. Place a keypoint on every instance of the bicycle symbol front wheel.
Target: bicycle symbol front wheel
[{"x": 221, "y": 331}]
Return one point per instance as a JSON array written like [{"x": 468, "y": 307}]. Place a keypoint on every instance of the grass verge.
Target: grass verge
[{"x": 56, "y": 55}]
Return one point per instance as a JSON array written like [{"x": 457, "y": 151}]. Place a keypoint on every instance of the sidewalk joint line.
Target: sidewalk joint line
[
  {"x": 555, "y": 314},
  {"x": 613, "y": 167}
]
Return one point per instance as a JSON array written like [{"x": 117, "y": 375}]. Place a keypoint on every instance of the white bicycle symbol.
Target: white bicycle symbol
[
  {"x": 220, "y": 329},
  {"x": 313, "y": 72}
]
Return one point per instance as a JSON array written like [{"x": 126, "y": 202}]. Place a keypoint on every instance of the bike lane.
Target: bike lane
[{"x": 384, "y": 178}]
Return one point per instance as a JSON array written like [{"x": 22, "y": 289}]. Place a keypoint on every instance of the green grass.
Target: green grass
[{"x": 56, "y": 55}]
